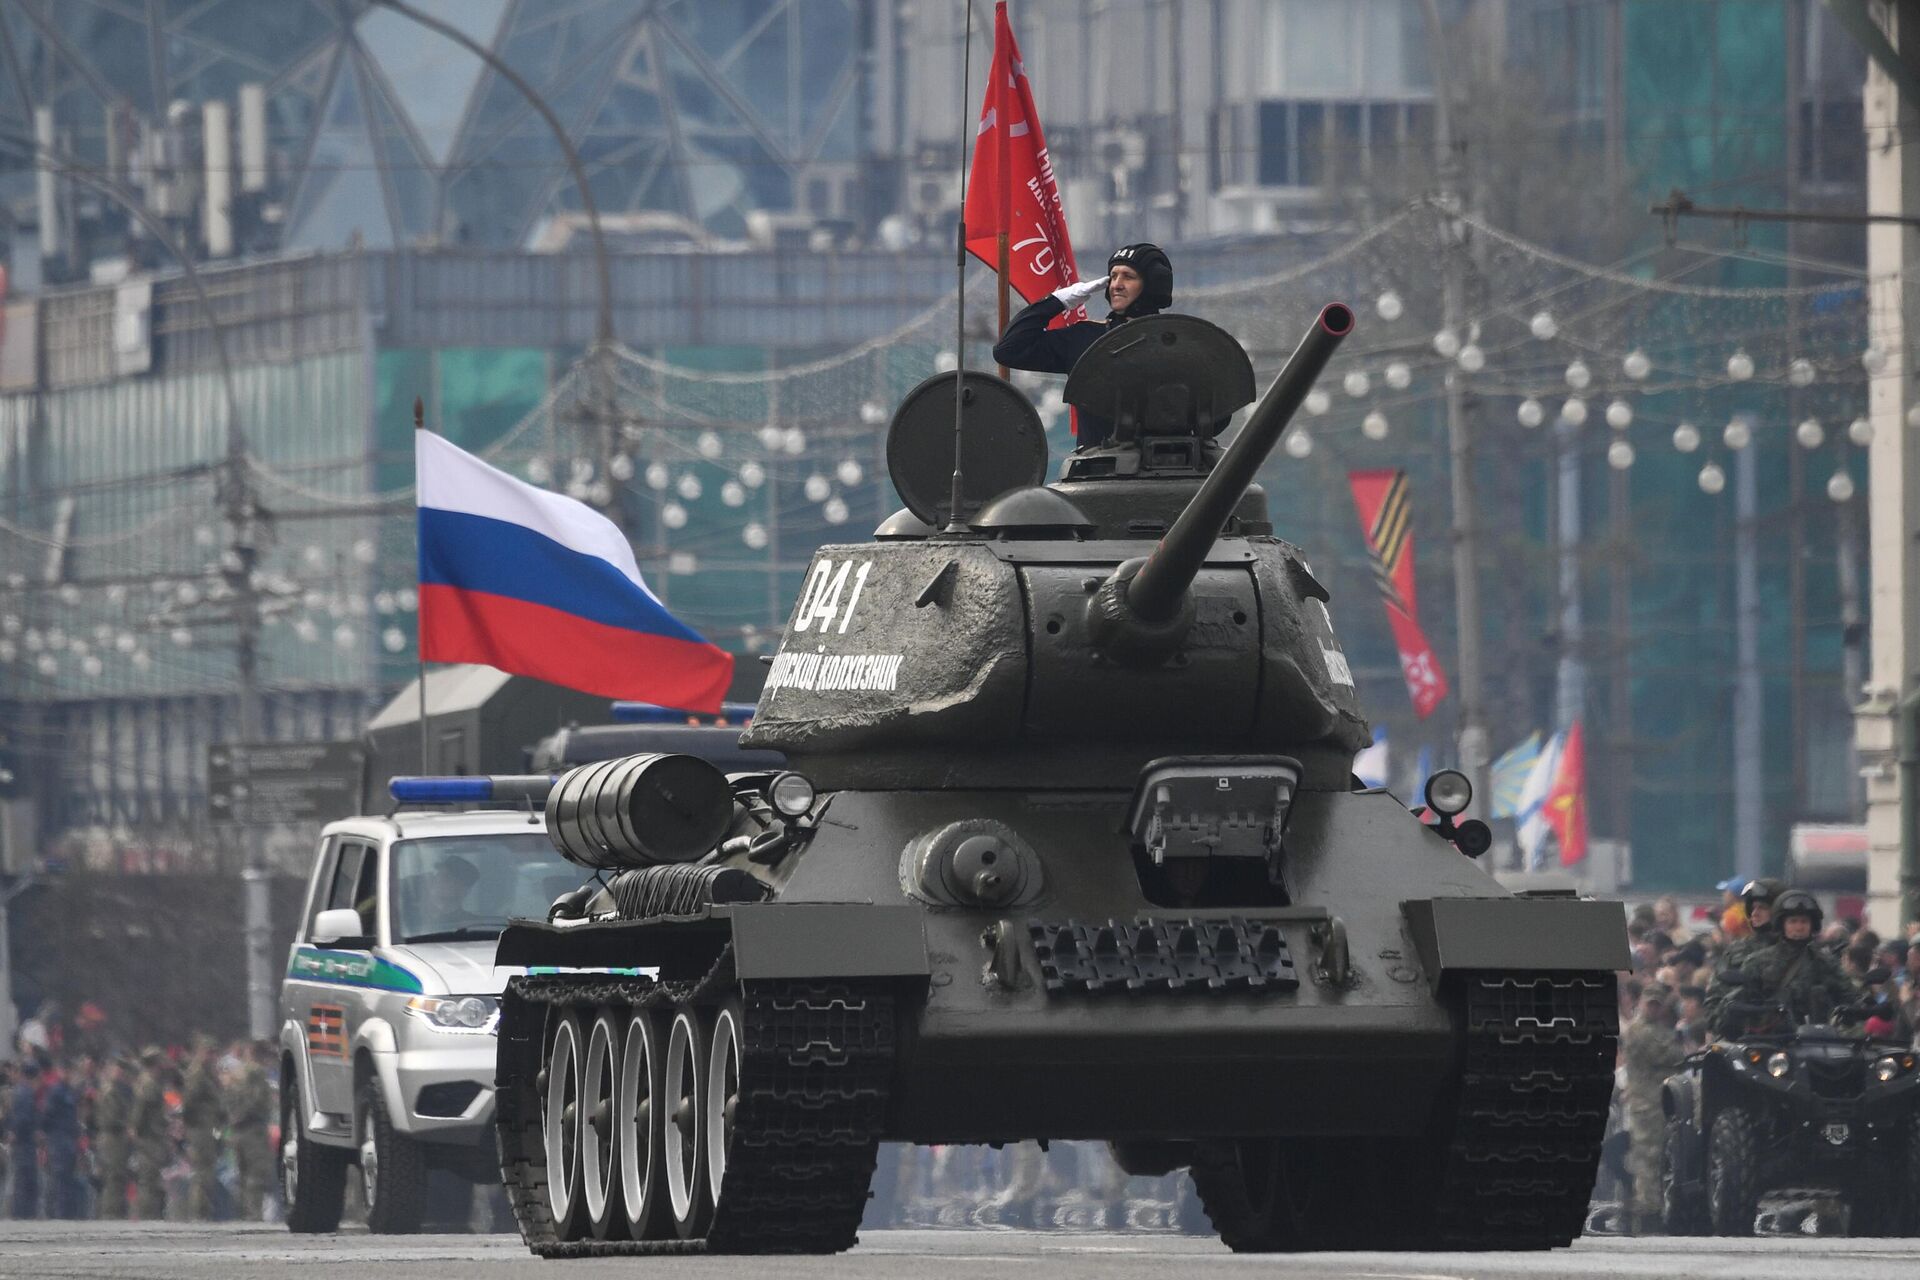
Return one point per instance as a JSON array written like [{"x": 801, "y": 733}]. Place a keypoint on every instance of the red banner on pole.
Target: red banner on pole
[
  {"x": 1566, "y": 803},
  {"x": 1386, "y": 518},
  {"x": 1010, "y": 189}
]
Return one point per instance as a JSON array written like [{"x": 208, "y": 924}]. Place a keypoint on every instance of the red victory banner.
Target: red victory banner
[
  {"x": 1386, "y": 518},
  {"x": 1015, "y": 222},
  {"x": 1566, "y": 803}
]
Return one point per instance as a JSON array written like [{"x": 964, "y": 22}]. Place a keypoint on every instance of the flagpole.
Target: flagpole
[
  {"x": 956, "y": 515},
  {"x": 1002, "y": 264},
  {"x": 420, "y": 611},
  {"x": 1005, "y": 211}
]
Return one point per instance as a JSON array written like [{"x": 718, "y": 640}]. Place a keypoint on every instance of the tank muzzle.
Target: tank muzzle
[{"x": 639, "y": 811}]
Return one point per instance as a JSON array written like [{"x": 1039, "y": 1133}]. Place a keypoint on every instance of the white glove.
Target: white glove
[{"x": 1072, "y": 295}]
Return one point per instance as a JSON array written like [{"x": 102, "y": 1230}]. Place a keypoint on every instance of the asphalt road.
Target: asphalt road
[{"x": 126, "y": 1251}]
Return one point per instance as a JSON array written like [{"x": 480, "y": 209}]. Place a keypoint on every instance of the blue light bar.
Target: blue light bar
[
  {"x": 472, "y": 789},
  {"x": 649, "y": 713}
]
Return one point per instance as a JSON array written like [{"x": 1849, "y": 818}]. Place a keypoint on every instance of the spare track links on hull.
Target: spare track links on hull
[
  {"x": 1532, "y": 1109},
  {"x": 816, "y": 1059}
]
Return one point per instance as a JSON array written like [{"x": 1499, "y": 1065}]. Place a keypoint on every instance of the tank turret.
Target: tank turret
[{"x": 1137, "y": 607}]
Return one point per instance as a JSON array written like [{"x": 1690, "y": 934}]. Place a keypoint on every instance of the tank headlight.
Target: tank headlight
[
  {"x": 455, "y": 1013},
  {"x": 1778, "y": 1065},
  {"x": 1886, "y": 1069},
  {"x": 1449, "y": 793},
  {"x": 792, "y": 794}
]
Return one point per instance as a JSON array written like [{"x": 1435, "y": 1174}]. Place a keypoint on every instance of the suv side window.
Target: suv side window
[
  {"x": 355, "y": 881},
  {"x": 366, "y": 894},
  {"x": 322, "y": 884}
]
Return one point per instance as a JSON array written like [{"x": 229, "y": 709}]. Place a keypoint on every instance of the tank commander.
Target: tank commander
[{"x": 1139, "y": 282}]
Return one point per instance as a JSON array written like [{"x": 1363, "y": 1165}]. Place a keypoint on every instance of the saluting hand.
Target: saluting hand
[{"x": 1073, "y": 295}]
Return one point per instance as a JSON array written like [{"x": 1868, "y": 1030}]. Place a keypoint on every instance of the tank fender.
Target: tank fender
[
  {"x": 828, "y": 940},
  {"x": 1532, "y": 934}
]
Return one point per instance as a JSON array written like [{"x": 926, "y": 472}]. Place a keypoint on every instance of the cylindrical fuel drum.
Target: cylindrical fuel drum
[{"x": 638, "y": 811}]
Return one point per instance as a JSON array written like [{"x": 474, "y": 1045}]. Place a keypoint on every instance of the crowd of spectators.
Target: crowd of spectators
[{"x": 177, "y": 1132}]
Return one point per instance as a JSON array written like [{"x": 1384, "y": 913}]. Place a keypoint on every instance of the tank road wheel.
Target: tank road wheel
[
  {"x": 560, "y": 1116},
  {"x": 599, "y": 1138},
  {"x": 313, "y": 1178},
  {"x": 1731, "y": 1193},
  {"x": 1683, "y": 1212},
  {"x": 722, "y": 1092},
  {"x": 682, "y": 1150},
  {"x": 1240, "y": 1187},
  {"x": 636, "y": 1126}
]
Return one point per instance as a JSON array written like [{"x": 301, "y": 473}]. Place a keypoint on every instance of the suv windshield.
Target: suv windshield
[{"x": 450, "y": 888}]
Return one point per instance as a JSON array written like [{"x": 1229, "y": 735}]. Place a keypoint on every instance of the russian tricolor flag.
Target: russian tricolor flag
[{"x": 539, "y": 585}]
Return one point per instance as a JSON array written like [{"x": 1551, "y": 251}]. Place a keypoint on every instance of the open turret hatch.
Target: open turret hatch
[{"x": 1003, "y": 445}]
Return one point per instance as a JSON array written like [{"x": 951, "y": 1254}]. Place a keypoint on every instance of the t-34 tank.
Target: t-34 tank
[{"x": 1071, "y": 848}]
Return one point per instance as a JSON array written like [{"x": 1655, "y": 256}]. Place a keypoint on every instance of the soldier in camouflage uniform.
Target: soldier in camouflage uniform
[
  {"x": 1796, "y": 973},
  {"x": 1757, "y": 899},
  {"x": 202, "y": 1115},
  {"x": 250, "y": 1106},
  {"x": 1653, "y": 1051},
  {"x": 147, "y": 1125},
  {"x": 112, "y": 1113}
]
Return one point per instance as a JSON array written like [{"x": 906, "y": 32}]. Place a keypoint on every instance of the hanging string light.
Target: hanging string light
[
  {"x": 709, "y": 444},
  {"x": 1398, "y": 375},
  {"x": 835, "y": 510},
  {"x": 1620, "y": 455},
  {"x": 1686, "y": 437},
  {"x": 658, "y": 476},
  {"x": 1810, "y": 433},
  {"x": 1355, "y": 383},
  {"x": 733, "y": 493},
  {"x": 1299, "y": 443},
  {"x": 1840, "y": 487},
  {"x": 1446, "y": 344},
  {"x": 752, "y": 475},
  {"x": 1388, "y": 306},
  {"x": 1712, "y": 478},
  {"x": 1530, "y": 412},
  {"x": 754, "y": 535},
  {"x": 1578, "y": 375},
  {"x": 1736, "y": 434},
  {"x": 816, "y": 487},
  {"x": 1574, "y": 412},
  {"x": 1740, "y": 366},
  {"x": 1860, "y": 431},
  {"x": 1636, "y": 365},
  {"x": 1374, "y": 425},
  {"x": 688, "y": 487},
  {"x": 1800, "y": 372},
  {"x": 1543, "y": 326},
  {"x": 1472, "y": 358},
  {"x": 620, "y": 467},
  {"x": 674, "y": 516},
  {"x": 1317, "y": 402},
  {"x": 1619, "y": 415},
  {"x": 850, "y": 472}
]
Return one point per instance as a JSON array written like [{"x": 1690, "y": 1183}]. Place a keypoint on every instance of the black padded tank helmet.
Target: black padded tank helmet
[{"x": 1155, "y": 270}]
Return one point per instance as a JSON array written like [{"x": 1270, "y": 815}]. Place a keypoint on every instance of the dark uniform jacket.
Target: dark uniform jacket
[{"x": 1028, "y": 344}]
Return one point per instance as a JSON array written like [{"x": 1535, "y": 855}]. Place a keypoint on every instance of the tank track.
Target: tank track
[
  {"x": 816, "y": 1063},
  {"x": 1531, "y": 1110}
]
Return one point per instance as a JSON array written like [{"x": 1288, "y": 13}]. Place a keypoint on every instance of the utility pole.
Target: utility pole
[
  {"x": 1469, "y": 688},
  {"x": 1749, "y": 795}
]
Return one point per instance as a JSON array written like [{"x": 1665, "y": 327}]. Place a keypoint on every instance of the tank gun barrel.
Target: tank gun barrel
[{"x": 1155, "y": 593}]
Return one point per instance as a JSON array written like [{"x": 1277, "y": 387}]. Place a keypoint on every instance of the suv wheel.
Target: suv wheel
[
  {"x": 1731, "y": 1194},
  {"x": 393, "y": 1169},
  {"x": 313, "y": 1178}
]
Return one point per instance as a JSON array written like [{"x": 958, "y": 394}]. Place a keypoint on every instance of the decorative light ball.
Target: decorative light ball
[
  {"x": 313, "y": 599},
  {"x": 600, "y": 493},
  {"x": 1374, "y": 425},
  {"x": 946, "y": 362},
  {"x": 1299, "y": 443},
  {"x": 1543, "y": 326},
  {"x": 579, "y": 490},
  {"x": 1636, "y": 365},
  {"x": 125, "y": 642},
  {"x": 1472, "y": 358},
  {"x": 771, "y": 437},
  {"x": 344, "y": 636},
  {"x": 872, "y": 412},
  {"x": 1619, "y": 415},
  {"x": 393, "y": 640},
  {"x": 1389, "y": 306},
  {"x": 1398, "y": 375},
  {"x": 1860, "y": 431},
  {"x": 1317, "y": 402},
  {"x": 335, "y": 609},
  {"x": 794, "y": 441},
  {"x": 1620, "y": 455},
  {"x": 1574, "y": 411},
  {"x": 46, "y": 664},
  {"x": 850, "y": 472},
  {"x": 1578, "y": 375},
  {"x": 1712, "y": 478},
  {"x": 1913, "y": 417},
  {"x": 1740, "y": 366},
  {"x": 33, "y": 640},
  {"x": 754, "y": 535},
  {"x": 187, "y": 594},
  {"x": 1447, "y": 344},
  {"x": 733, "y": 493},
  {"x": 752, "y": 475},
  {"x": 688, "y": 487},
  {"x": 70, "y": 594},
  {"x": 1355, "y": 383},
  {"x": 817, "y": 487},
  {"x": 538, "y": 472},
  {"x": 305, "y": 628},
  {"x": 1810, "y": 433},
  {"x": 709, "y": 444},
  {"x": 674, "y": 516},
  {"x": 1737, "y": 434},
  {"x": 141, "y": 660},
  {"x": 1800, "y": 372},
  {"x": 1686, "y": 437},
  {"x": 92, "y": 665},
  {"x": 620, "y": 467},
  {"x": 1874, "y": 361},
  {"x": 182, "y": 637},
  {"x": 1840, "y": 487},
  {"x": 407, "y": 598},
  {"x": 383, "y": 602},
  {"x": 658, "y": 476},
  {"x": 835, "y": 511},
  {"x": 1531, "y": 412},
  {"x": 365, "y": 552},
  {"x": 313, "y": 556}
]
